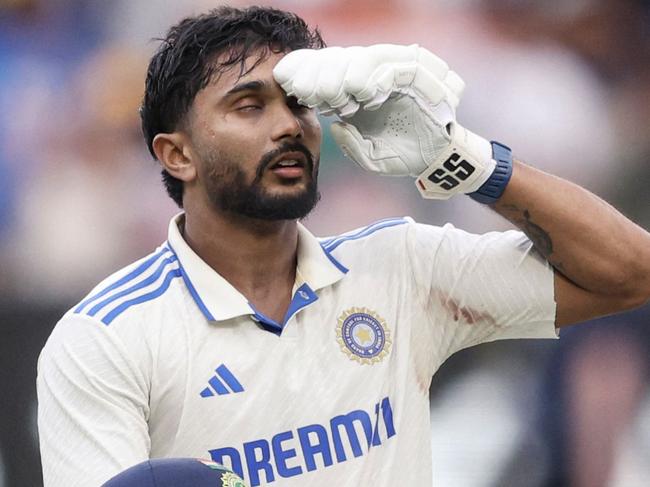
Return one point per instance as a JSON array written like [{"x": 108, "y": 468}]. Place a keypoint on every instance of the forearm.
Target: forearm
[{"x": 584, "y": 238}]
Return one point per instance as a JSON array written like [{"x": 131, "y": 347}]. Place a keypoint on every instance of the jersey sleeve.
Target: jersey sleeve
[
  {"x": 92, "y": 405},
  {"x": 481, "y": 288}
]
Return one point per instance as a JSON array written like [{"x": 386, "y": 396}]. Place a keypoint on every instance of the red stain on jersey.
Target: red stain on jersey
[{"x": 467, "y": 314}]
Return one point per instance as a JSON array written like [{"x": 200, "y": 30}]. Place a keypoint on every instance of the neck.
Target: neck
[{"x": 257, "y": 257}]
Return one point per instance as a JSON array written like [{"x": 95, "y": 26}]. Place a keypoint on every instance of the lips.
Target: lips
[
  {"x": 289, "y": 159},
  {"x": 289, "y": 165}
]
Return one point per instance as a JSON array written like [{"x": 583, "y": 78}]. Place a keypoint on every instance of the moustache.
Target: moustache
[{"x": 268, "y": 158}]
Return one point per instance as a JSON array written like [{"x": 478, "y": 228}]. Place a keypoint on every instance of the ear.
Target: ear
[{"x": 174, "y": 153}]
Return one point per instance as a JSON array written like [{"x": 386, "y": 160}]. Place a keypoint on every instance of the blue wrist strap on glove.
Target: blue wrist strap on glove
[{"x": 493, "y": 188}]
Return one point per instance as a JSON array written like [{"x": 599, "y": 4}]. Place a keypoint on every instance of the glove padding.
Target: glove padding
[{"x": 398, "y": 103}]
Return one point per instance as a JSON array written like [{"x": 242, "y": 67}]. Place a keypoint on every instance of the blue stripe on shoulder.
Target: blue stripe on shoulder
[
  {"x": 138, "y": 285},
  {"x": 328, "y": 241},
  {"x": 143, "y": 298},
  {"x": 130, "y": 276},
  {"x": 331, "y": 244}
]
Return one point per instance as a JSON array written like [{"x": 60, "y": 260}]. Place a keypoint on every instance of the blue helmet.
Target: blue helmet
[{"x": 176, "y": 472}]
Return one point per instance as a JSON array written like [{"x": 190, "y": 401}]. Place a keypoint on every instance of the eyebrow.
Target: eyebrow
[{"x": 256, "y": 85}]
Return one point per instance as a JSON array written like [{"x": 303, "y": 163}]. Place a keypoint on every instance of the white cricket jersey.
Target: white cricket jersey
[{"x": 166, "y": 359}]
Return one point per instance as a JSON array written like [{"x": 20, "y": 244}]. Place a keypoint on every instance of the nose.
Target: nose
[{"x": 287, "y": 123}]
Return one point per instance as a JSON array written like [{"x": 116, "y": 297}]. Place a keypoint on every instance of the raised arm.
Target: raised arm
[
  {"x": 397, "y": 107},
  {"x": 601, "y": 259}
]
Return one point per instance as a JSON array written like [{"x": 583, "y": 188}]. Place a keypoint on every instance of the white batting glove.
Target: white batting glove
[{"x": 398, "y": 105}]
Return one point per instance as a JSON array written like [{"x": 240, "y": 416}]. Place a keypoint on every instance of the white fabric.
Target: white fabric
[
  {"x": 140, "y": 377},
  {"x": 342, "y": 79}
]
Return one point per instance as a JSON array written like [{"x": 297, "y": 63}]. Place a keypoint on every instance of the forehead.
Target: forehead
[{"x": 257, "y": 66}]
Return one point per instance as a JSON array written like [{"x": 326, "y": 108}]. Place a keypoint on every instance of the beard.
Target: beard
[{"x": 229, "y": 191}]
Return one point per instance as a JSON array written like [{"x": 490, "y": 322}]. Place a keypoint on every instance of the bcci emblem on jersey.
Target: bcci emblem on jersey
[{"x": 363, "y": 335}]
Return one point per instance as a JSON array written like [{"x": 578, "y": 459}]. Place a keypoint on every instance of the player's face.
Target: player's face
[{"x": 258, "y": 149}]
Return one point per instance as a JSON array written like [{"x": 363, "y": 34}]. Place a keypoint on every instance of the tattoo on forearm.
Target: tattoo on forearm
[{"x": 540, "y": 237}]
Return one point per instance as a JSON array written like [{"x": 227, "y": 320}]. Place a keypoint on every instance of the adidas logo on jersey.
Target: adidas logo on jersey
[{"x": 223, "y": 382}]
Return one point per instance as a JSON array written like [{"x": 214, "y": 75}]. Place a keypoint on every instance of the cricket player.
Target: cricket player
[{"x": 290, "y": 359}]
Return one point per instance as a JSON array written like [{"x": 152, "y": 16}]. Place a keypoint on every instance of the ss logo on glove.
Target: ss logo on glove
[{"x": 448, "y": 176}]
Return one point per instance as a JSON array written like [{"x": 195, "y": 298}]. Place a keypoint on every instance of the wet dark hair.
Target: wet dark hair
[{"x": 185, "y": 63}]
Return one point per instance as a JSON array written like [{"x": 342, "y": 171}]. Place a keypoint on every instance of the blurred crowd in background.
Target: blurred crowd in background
[{"x": 566, "y": 83}]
